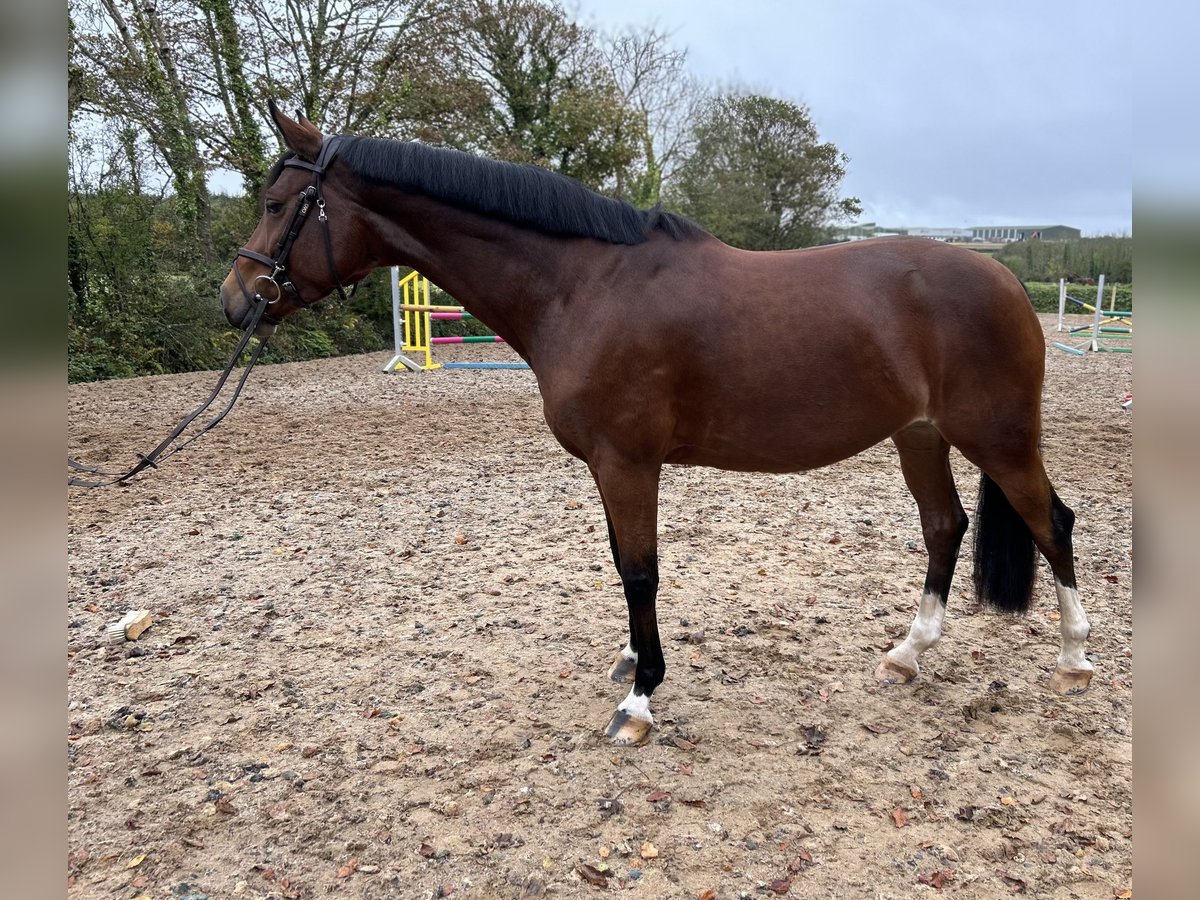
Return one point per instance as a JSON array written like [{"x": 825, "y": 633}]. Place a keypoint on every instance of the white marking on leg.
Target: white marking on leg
[
  {"x": 925, "y": 631},
  {"x": 637, "y": 706},
  {"x": 628, "y": 652},
  {"x": 1074, "y": 627}
]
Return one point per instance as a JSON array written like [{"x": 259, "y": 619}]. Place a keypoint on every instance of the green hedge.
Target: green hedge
[{"x": 1044, "y": 296}]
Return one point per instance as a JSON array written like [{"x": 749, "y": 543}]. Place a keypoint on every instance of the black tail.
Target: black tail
[{"x": 1004, "y": 552}]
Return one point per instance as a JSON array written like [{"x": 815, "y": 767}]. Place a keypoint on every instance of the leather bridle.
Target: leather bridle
[
  {"x": 277, "y": 265},
  {"x": 256, "y": 314}
]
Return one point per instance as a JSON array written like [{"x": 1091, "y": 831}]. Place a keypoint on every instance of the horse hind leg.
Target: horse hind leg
[
  {"x": 1018, "y": 506},
  {"x": 925, "y": 462}
]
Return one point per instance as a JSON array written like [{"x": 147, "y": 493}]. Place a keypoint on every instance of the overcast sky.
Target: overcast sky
[{"x": 952, "y": 113}]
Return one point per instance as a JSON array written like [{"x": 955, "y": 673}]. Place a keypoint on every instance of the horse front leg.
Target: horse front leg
[
  {"x": 630, "y": 496},
  {"x": 624, "y": 667}
]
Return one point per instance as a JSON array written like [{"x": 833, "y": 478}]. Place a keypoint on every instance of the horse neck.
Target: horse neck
[{"x": 507, "y": 276}]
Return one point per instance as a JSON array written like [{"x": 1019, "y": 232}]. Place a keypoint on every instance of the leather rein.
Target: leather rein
[{"x": 259, "y": 304}]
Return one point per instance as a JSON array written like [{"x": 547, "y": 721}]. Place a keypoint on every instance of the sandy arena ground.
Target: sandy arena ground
[{"x": 384, "y": 608}]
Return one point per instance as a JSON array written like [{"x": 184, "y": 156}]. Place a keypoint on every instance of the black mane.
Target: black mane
[{"x": 521, "y": 194}]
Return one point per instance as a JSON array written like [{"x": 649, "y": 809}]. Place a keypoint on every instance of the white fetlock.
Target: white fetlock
[
  {"x": 1074, "y": 671},
  {"x": 900, "y": 664}
]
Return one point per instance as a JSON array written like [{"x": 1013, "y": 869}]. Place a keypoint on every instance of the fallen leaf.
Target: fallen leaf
[
  {"x": 348, "y": 869},
  {"x": 915, "y": 791},
  {"x": 1126, "y": 894},
  {"x": 707, "y": 894},
  {"x": 426, "y": 851},
  {"x": 1008, "y": 801},
  {"x": 649, "y": 851},
  {"x": 876, "y": 728},
  {"x": 592, "y": 875},
  {"x": 565, "y": 673},
  {"x": 781, "y": 886},
  {"x": 136, "y": 861},
  {"x": 802, "y": 861},
  {"x": 604, "y": 852},
  {"x": 656, "y": 796},
  {"x": 937, "y": 879},
  {"x": 1017, "y": 885},
  {"x": 814, "y": 737},
  {"x": 899, "y": 817},
  {"x": 460, "y": 539}
]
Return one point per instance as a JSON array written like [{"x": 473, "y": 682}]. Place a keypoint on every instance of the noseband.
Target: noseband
[{"x": 278, "y": 264}]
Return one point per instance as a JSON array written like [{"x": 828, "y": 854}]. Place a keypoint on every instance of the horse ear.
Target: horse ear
[{"x": 302, "y": 137}]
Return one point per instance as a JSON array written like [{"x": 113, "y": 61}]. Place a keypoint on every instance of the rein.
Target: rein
[{"x": 258, "y": 313}]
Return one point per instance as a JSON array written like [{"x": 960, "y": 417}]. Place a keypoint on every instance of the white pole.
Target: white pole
[
  {"x": 1099, "y": 311},
  {"x": 398, "y": 359},
  {"x": 399, "y": 340},
  {"x": 1062, "y": 301}
]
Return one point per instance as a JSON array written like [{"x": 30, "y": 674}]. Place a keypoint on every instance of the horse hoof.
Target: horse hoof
[
  {"x": 626, "y": 731},
  {"x": 1070, "y": 681},
  {"x": 890, "y": 672},
  {"x": 623, "y": 669}
]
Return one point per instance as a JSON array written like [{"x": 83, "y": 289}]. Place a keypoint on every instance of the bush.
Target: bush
[
  {"x": 1044, "y": 296},
  {"x": 142, "y": 296},
  {"x": 1111, "y": 257}
]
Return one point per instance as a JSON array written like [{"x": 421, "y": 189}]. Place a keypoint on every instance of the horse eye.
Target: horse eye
[{"x": 274, "y": 206}]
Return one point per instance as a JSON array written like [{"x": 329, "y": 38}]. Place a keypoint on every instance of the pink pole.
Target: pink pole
[{"x": 469, "y": 339}]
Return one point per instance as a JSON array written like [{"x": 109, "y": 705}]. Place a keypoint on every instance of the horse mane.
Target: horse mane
[{"x": 521, "y": 194}]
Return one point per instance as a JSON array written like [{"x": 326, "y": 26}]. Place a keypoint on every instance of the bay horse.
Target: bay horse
[{"x": 627, "y": 318}]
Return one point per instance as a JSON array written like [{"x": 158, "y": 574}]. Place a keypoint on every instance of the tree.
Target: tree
[
  {"x": 136, "y": 57},
  {"x": 665, "y": 102},
  {"x": 759, "y": 177},
  {"x": 550, "y": 98}
]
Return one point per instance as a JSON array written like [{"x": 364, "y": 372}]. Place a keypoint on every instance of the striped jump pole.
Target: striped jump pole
[
  {"x": 412, "y": 318},
  {"x": 1106, "y": 326},
  {"x": 399, "y": 330}
]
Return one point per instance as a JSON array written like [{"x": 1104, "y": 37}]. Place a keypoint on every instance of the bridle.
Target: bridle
[
  {"x": 257, "y": 313},
  {"x": 278, "y": 264}
]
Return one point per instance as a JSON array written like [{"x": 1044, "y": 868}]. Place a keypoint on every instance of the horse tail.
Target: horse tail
[{"x": 1005, "y": 555}]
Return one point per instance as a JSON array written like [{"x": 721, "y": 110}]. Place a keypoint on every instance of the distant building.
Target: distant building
[
  {"x": 992, "y": 234},
  {"x": 942, "y": 234},
  {"x": 1004, "y": 233}
]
